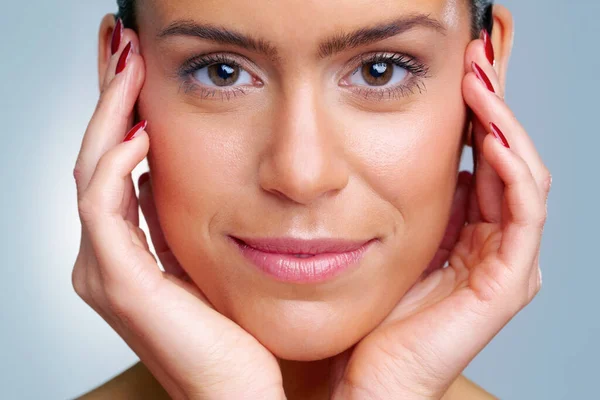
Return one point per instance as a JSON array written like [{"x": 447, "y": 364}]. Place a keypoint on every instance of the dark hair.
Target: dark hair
[{"x": 481, "y": 11}]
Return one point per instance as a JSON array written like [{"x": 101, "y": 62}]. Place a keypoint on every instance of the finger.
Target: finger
[
  {"x": 488, "y": 185},
  {"x": 476, "y": 52},
  {"x": 113, "y": 113},
  {"x": 489, "y": 107},
  {"x": 166, "y": 257},
  {"x": 132, "y": 211},
  {"x": 134, "y": 290},
  {"x": 525, "y": 213},
  {"x": 473, "y": 211},
  {"x": 455, "y": 224},
  {"x": 101, "y": 214}
]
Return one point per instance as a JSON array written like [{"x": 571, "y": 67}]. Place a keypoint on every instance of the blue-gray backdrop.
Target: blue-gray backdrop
[{"x": 53, "y": 346}]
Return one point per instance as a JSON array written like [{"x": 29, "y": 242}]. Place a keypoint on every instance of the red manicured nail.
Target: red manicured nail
[
  {"x": 143, "y": 179},
  {"x": 133, "y": 131},
  {"x": 499, "y": 135},
  {"x": 489, "y": 48},
  {"x": 464, "y": 178},
  {"x": 482, "y": 76},
  {"x": 122, "y": 63},
  {"x": 116, "y": 37}
]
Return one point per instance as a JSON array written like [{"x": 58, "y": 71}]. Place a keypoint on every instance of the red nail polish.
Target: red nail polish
[
  {"x": 489, "y": 48},
  {"x": 499, "y": 135},
  {"x": 464, "y": 178},
  {"x": 482, "y": 76},
  {"x": 133, "y": 131},
  {"x": 116, "y": 37},
  {"x": 123, "y": 58},
  {"x": 143, "y": 179}
]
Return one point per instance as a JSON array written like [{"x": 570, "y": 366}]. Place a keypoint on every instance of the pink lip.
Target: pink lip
[{"x": 276, "y": 257}]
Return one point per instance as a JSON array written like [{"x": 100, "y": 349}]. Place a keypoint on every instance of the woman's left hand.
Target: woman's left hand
[{"x": 450, "y": 315}]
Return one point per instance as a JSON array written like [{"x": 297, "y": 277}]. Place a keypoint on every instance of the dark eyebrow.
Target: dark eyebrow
[
  {"x": 219, "y": 35},
  {"x": 328, "y": 47},
  {"x": 364, "y": 36}
]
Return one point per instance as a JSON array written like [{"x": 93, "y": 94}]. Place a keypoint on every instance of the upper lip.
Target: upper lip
[{"x": 288, "y": 245}]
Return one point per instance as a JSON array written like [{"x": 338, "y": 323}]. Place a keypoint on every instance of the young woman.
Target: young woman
[{"x": 304, "y": 197}]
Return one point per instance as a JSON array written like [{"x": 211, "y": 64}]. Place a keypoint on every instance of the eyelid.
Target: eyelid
[
  {"x": 413, "y": 64},
  {"x": 416, "y": 69},
  {"x": 204, "y": 60}
]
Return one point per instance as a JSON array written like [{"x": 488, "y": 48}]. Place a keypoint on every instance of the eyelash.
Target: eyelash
[
  {"x": 196, "y": 63},
  {"x": 417, "y": 71}
]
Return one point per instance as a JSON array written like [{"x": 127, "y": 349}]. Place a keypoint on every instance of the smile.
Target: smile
[{"x": 302, "y": 261}]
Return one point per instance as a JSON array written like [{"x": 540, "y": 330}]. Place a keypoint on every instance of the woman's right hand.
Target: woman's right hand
[{"x": 191, "y": 349}]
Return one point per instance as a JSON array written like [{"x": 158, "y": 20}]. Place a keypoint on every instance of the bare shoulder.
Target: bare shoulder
[
  {"x": 134, "y": 383},
  {"x": 465, "y": 389}
]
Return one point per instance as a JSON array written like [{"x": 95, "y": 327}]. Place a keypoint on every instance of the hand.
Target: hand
[
  {"x": 450, "y": 315},
  {"x": 192, "y": 350}
]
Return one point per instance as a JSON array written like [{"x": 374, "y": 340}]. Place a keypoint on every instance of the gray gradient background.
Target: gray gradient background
[{"x": 53, "y": 346}]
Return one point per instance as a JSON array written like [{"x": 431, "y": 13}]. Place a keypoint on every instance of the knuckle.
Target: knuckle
[
  {"x": 87, "y": 208},
  {"x": 78, "y": 281},
  {"x": 83, "y": 281},
  {"x": 77, "y": 170},
  {"x": 538, "y": 216}
]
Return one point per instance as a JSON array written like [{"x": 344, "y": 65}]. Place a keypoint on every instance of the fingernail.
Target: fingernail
[
  {"x": 133, "y": 131},
  {"x": 116, "y": 37},
  {"x": 499, "y": 135},
  {"x": 482, "y": 76},
  {"x": 489, "y": 48},
  {"x": 122, "y": 63},
  {"x": 464, "y": 178},
  {"x": 143, "y": 179}
]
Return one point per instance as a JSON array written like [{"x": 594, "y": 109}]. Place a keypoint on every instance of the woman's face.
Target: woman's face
[{"x": 318, "y": 119}]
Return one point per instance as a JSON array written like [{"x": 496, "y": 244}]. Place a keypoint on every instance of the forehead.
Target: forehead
[{"x": 279, "y": 20}]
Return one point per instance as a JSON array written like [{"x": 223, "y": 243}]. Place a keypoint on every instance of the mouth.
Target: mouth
[{"x": 302, "y": 261}]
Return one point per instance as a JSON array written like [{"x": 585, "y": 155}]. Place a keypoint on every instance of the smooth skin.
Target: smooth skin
[{"x": 404, "y": 332}]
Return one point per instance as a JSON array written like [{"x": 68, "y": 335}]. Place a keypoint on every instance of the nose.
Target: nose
[{"x": 304, "y": 160}]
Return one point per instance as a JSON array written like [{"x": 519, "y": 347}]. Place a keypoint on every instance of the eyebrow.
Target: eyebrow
[
  {"x": 368, "y": 35},
  {"x": 219, "y": 35},
  {"x": 328, "y": 47}
]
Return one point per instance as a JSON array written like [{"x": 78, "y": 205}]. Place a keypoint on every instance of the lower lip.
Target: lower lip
[{"x": 289, "y": 268}]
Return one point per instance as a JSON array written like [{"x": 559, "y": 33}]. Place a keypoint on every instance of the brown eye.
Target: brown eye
[
  {"x": 377, "y": 74},
  {"x": 223, "y": 74}
]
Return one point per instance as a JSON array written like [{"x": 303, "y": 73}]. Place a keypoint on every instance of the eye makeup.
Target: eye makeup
[
  {"x": 416, "y": 72},
  {"x": 234, "y": 62},
  {"x": 378, "y": 68}
]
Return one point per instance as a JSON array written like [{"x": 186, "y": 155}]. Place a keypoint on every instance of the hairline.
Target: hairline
[{"x": 480, "y": 11}]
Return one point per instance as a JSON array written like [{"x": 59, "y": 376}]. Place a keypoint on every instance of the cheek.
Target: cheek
[
  {"x": 201, "y": 168},
  {"x": 411, "y": 161}
]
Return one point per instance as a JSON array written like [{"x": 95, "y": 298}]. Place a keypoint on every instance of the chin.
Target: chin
[{"x": 308, "y": 330}]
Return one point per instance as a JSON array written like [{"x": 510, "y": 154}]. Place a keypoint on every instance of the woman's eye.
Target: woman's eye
[
  {"x": 222, "y": 74},
  {"x": 378, "y": 74}
]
